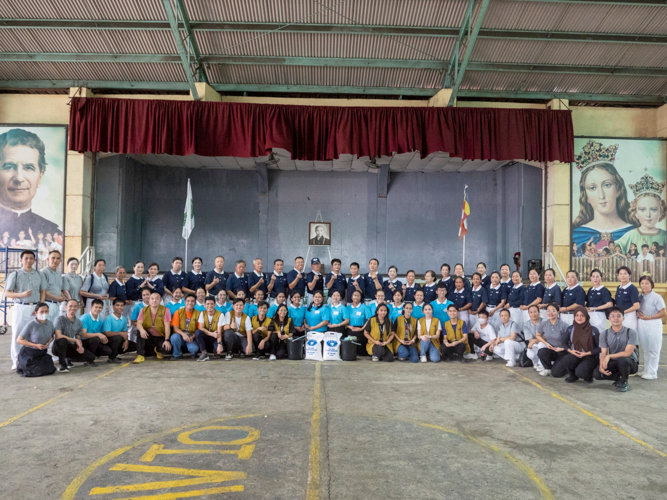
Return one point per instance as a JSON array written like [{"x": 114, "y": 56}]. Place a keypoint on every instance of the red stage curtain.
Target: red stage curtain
[{"x": 317, "y": 132}]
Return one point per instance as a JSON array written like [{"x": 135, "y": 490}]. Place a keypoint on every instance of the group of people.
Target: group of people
[
  {"x": 647, "y": 252},
  {"x": 67, "y": 318}
]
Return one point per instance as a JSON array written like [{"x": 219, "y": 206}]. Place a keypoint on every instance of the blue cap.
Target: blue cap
[{"x": 314, "y": 260}]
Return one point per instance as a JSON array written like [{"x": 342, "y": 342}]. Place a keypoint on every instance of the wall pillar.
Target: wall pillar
[
  {"x": 558, "y": 213},
  {"x": 206, "y": 93}
]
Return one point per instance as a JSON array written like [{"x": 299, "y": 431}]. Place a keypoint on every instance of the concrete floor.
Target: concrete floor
[{"x": 378, "y": 430}]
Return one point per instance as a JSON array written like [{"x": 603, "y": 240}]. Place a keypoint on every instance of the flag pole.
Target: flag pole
[
  {"x": 185, "y": 264},
  {"x": 464, "y": 253}
]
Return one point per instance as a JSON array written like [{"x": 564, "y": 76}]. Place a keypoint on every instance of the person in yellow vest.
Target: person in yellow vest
[
  {"x": 153, "y": 324},
  {"x": 455, "y": 339},
  {"x": 180, "y": 324},
  {"x": 380, "y": 337},
  {"x": 428, "y": 331},
  {"x": 238, "y": 330},
  {"x": 260, "y": 331},
  {"x": 406, "y": 342},
  {"x": 208, "y": 334},
  {"x": 280, "y": 330}
]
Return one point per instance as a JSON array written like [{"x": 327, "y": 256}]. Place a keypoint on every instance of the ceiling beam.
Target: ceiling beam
[
  {"x": 330, "y": 90},
  {"x": 334, "y": 62},
  {"x": 344, "y": 29},
  {"x": 183, "y": 53},
  {"x": 656, "y": 3}
]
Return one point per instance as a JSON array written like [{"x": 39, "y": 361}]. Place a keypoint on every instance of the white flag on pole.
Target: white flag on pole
[{"x": 188, "y": 214}]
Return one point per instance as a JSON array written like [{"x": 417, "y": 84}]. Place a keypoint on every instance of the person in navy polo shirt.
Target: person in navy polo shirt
[
  {"x": 552, "y": 293},
  {"x": 627, "y": 297},
  {"x": 315, "y": 279},
  {"x": 505, "y": 279},
  {"x": 195, "y": 279},
  {"x": 446, "y": 280},
  {"x": 598, "y": 300},
  {"x": 481, "y": 269},
  {"x": 216, "y": 279},
  {"x": 257, "y": 279},
  {"x": 296, "y": 279},
  {"x": 393, "y": 283},
  {"x": 573, "y": 296},
  {"x": 411, "y": 287},
  {"x": 118, "y": 290},
  {"x": 136, "y": 283},
  {"x": 335, "y": 281},
  {"x": 173, "y": 278},
  {"x": 533, "y": 295},
  {"x": 154, "y": 281},
  {"x": 356, "y": 283},
  {"x": 237, "y": 282},
  {"x": 277, "y": 281},
  {"x": 373, "y": 279}
]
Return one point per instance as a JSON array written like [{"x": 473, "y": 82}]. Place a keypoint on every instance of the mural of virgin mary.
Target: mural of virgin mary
[{"x": 604, "y": 209}]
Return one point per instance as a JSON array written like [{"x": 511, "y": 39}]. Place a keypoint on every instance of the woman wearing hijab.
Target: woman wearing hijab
[
  {"x": 583, "y": 353},
  {"x": 379, "y": 335}
]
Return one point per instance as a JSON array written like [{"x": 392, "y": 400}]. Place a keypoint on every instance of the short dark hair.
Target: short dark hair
[
  {"x": 596, "y": 270},
  {"x": 432, "y": 273},
  {"x": 476, "y": 274},
  {"x": 190, "y": 296},
  {"x": 299, "y": 257},
  {"x": 624, "y": 268},
  {"x": 505, "y": 265},
  {"x": 236, "y": 301},
  {"x": 447, "y": 266},
  {"x": 374, "y": 259},
  {"x": 96, "y": 302},
  {"x": 72, "y": 259},
  {"x": 145, "y": 290},
  {"x": 613, "y": 309},
  {"x": 647, "y": 278},
  {"x": 484, "y": 312},
  {"x": 197, "y": 258},
  {"x": 27, "y": 252},
  {"x": 440, "y": 286},
  {"x": 20, "y": 137},
  {"x": 535, "y": 306},
  {"x": 97, "y": 261},
  {"x": 209, "y": 298},
  {"x": 450, "y": 306},
  {"x": 644, "y": 246},
  {"x": 278, "y": 260},
  {"x": 177, "y": 258},
  {"x": 482, "y": 263},
  {"x": 58, "y": 252},
  {"x": 200, "y": 288},
  {"x": 40, "y": 305},
  {"x": 154, "y": 264},
  {"x": 572, "y": 271},
  {"x": 118, "y": 301},
  {"x": 410, "y": 271},
  {"x": 392, "y": 267},
  {"x": 336, "y": 260},
  {"x": 505, "y": 311},
  {"x": 262, "y": 303},
  {"x": 550, "y": 269},
  {"x": 138, "y": 262},
  {"x": 355, "y": 264},
  {"x": 555, "y": 306}
]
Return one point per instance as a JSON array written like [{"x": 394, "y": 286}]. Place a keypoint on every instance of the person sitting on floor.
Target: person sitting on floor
[
  {"x": 379, "y": 335},
  {"x": 583, "y": 353},
  {"x": 208, "y": 335},
  {"x": 33, "y": 360},
  {"x": 509, "y": 342},
  {"x": 154, "y": 326},
  {"x": 260, "y": 331},
  {"x": 115, "y": 328},
  {"x": 406, "y": 341},
  {"x": 429, "y": 331},
  {"x": 180, "y": 323},
  {"x": 68, "y": 344},
  {"x": 618, "y": 352},
  {"x": 297, "y": 312},
  {"x": 484, "y": 335},
  {"x": 280, "y": 329},
  {"x": 455, "y": 336},
  {"x": 238, "y": 331},
  {"x": 554, "y": 335}
]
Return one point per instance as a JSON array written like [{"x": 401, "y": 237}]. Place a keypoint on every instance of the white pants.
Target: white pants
[
  {"x": 495, "y": 319},
  {"x": 543, "y": 314},
  {"x": 516, "y": 315},
  {"x": 509, "y": 350},
  {"x": 54, "y": 310},
  {"x": 21, "y": 316},
  {"x": 465, "y": 317},
  {"x": 472, "y": 321},
  {"x": 630, "y": 320},
  {"x": 567, "y": 318},
  {"x": 525, "y": 316},
  {"x": 650, "y": 341},
  {"x": 598, "y": 320},
  {"x": 532, "y": 353}
]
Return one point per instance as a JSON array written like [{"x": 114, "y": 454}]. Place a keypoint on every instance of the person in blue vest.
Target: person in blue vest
[
  {"x": 356, "y": 283},
  {"x": 297, "y": 311},
  {"x": 118, "y": 290},
  {"x": 317, "y": 314},
  {"x": 497, "y": 300},
  {"x": 335, "y": 281},
  {"x": 392, "y": 284},
  {"x": 440, "y": 304},
  {"x": 358, "y": 313},
  {"x": 480, "y": 297},
  {"x": 216, "y": 279},
  {"x": 445, "y": 280},
  {"x": 515, "y": 299},
  {"x": 533, "y": 296},
  {"x": 196, "y": 278},
  {"x": 296, "y": 278},
  {"x": 373, "y": 280},
  {"x": 418, "y": 305},
  {"x": 627, "y": 298},
  {"x": 410, "y": 286},
  {"x": 552, "y": 293},
  {"x": 257, "y": 279},
  {"x": 396, "y": 306},
  {"x": 277, "y": 282},
  {"x": 338, "y": 315},
  {"x": 238, "y": 281},
  {"x": 315, "y": 279},
  {"x": 174, "y": 278},
  {"x": 598, "y": 301},
  {"x": 481, "y": 269},
  {"x": 175, "y": 302},
  {"x": 573, "y": 296}
]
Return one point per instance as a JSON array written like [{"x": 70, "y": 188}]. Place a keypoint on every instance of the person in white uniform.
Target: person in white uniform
[
  {"x": 650, "y": 314},
  {"x": 598, "y": 300},
  {"x": 26, "y": 287},
  {"x": 530, "y": 335},
  {"x": 484, "y": 335},
  {"x": 509, "y": 343}
]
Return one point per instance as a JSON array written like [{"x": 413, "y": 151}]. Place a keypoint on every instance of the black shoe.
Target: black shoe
[
  {"x": 622, "y": 387},
  {"x": 63, "y": 369},
  {"x": 114, "y": 361},
  {"x": 571, "y": 380},
  {"x": 91, "y": 364},
  {"x": 588, "y": 380},
  {"x": 177, "y": 358},
  {"x": 69, "y": 363},
  {"x": 462, "y": 359}
]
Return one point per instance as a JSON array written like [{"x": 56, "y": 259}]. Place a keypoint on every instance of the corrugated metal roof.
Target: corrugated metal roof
[
  {"x": 91, "y": 71},
  {"x": 143, "y": 10}
]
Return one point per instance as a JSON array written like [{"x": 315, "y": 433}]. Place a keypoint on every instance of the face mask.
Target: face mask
[
  {"x": 42, "y": 317},
  {"x": 482, "y": 321}
]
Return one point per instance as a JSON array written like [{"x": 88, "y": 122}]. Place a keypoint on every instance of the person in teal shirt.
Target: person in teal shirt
[
  {"x": 338, "y": 315},
  {"x": 176, "y": 301},
  {"x": 440, "y": 304},
  {"x": 201, "y": 296},
  {"x": 280, "y": 300},
  {"x": 358, "y": 313},
  {"x": 251, "y": 309},
  {"x": 379, "y": 299},
  {"x": 396, "y": 307},
  {"x": 418, "y": 305},
  {"x": 297, "y": 312},
  {"x": 317, "y": 314},
  {"x": 222, "y": 304}
]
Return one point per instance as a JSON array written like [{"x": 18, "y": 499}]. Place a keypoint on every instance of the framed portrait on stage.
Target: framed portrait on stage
[
  {"x": 32, "y": 187},
  {"x": 319, "y": 234}
]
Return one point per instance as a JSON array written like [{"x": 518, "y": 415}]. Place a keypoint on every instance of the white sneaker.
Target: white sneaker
[
  {"x": 511, "y": 363},
  {"x": 375, "y": 358},
  {"x": 538, "y": 367},
  {"x": 648, "y": 376},
  {"x": 470, "y": 356},
  {"x": 272, "y": 357},
  {"x": 640, "y": 374},
  {"x": 545, "y": 373},
  {"x": 422, "y": 359},
  {"x": 489, "y": 358},
  {"x": 13, "y": 367}
]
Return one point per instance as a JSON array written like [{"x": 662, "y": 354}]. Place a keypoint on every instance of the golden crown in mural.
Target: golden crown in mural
[
  {"x": 647, "y": 184},
  {"x": 593, "y": 153}
]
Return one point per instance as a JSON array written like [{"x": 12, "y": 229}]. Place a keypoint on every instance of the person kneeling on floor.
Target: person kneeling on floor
[
  {"x": 429, "y": 331},
  {"x": 280, "y": 329},
  {"x": 406, "y": 341},
  {"x": 378, "y": 332},
  {"x": 93, "y": 338},
  {"x": 619, "y": 357},
  {"x": 553, "y": 333},
  {"x": 260, "y": 331},
  {"x": 183, "y": 324},
  {"x": 68, "y": 345},
  {"x": 238, "y": 331},
  {"x": 455, "y": 336},
  {"x": 583, "y": 353},
  {"x": 153, "y": 324},
  {"x": 209, "y": 330},
  {"x": 510, "y": 342},
  {"x": 115, "y": 328},
  {"x": 33, "y": 360},
  {"x": 484, "y": 335}
]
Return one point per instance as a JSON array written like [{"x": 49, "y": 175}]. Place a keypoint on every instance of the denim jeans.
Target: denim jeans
[
  {"x": 427, "y": 348},
  {"x": 408, "y": 351},
  {"x": 177, "y": 345}
]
